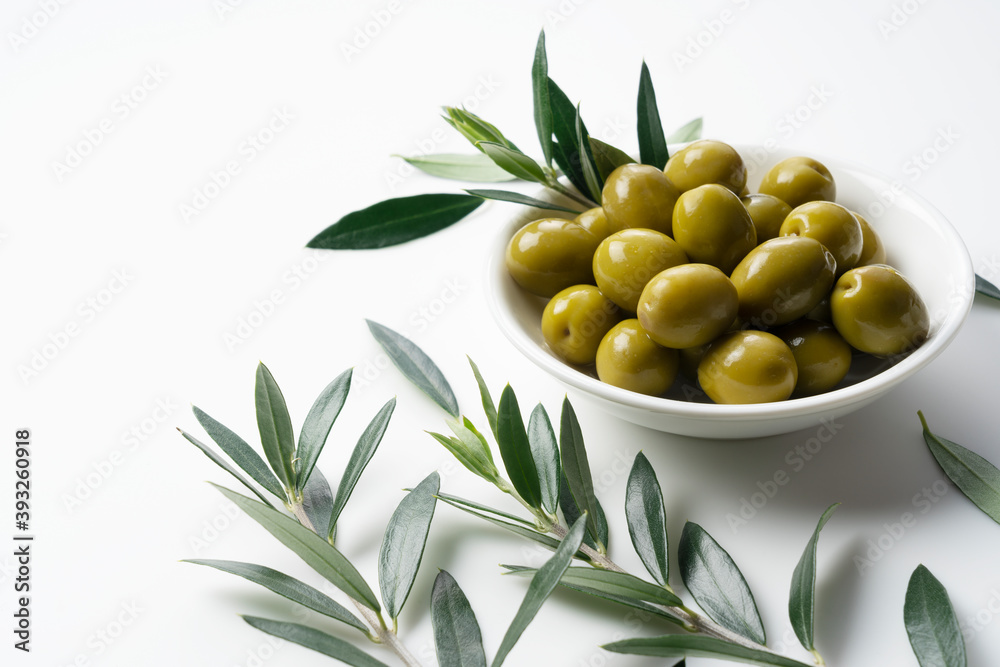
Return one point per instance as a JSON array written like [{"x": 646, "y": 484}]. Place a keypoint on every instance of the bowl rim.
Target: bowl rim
[{"x": 836, "y": 400}]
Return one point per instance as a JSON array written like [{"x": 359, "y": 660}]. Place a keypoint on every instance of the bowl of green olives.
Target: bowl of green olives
[{"x": 739, "y": 292}]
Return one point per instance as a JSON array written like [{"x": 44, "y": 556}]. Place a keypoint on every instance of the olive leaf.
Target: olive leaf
[
  {"x": 469, "y": 453},
  {"x": 518, "y": 198},
  {"x": 316, "y": 640},
  {"x": 647, "y": 521},
  {"x": 974, "y": 476},
  {"x": 594, "y": 181},
  {"x": 931, "y": 625},
  {"x": 239, "y": 451},
  {"x": 652, "y": 144},
  {"x": 457, "y": 637},
  {"x": 607, "y": 157},
  {"x": 403, "y": 545},
  {"x": 464, "y": 503},
  {"x": 571, "y": 512},
  {"x": 577, "y": 470},
  {"x": 513, "y": 161},
  {"x": 541, "y": 97},
  {"x": 477, "y": 168},
  {"x": 516, "y": 450},
  {"x": 516, "y": 525},
  {"x": 986, "y": 288},
  {"x": 395, "y": 221},
  {"x": 566, "y": 149},
  {"x": 699, "y": 646},
  {"x": 717, "y": 585},
  {"x": 488, "y": 406},
  {"x": 609, "y": 583},
  {"x": 545, "y": 451},
  {"x": 275, "y": 426},
  {"x": 317, "y": 502},
  {"x": 319, "y": 421},
  {"x": 690, "y": 131},
  {"x": 474, "y": 128},
  {"x": 418, "y": 368},
  {"x": 222, "y": 463},
  {"x": 802, "y": 599}
]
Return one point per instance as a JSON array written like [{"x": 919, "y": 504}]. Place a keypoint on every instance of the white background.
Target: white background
[{"x": 108, "y": 545}]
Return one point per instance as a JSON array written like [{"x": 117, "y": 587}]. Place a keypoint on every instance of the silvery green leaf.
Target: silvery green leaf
[
  {"x": 621, "y": 584},
  {"x": 690, "y": 131},
  {"x": 469, "y": 456},
  {"x": 513, "y": 162},
  {"x": 416, "y": 366},
  {"x": 476, "y": 168},
  {"x": 317, "y": 502},
  {"x": 974, "y": 476},
  {"x": 699, "y": 646},
  {"x": 239, "y": 451},
  {"x": 802, "y": 600},
  {"x": 545, "y": 452},
  {"x": 515, "y": 449},
  {"x": 576, "y": 468},
  {"x": 316, "y": 640},
  {"x": 931, "y": 625},
  {"x": 316, "y": 427},
  {"x": 488, "y": 406},
  {"x": 457, "y": 637},
  {"x": 647, "y": 520},
  {"x": 403, "y": 544},
  {"x": 222, "y": 463},
  {"x": 275, "y": 426}
]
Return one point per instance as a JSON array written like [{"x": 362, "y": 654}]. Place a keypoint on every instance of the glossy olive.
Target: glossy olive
[
  {"x": 821, "y": 313},
  {"x": 748, "y": 367},
  {"x": 705, "y": 162},
  {"x": 822, "y": 356},
  {"x": 549, "y": 255},
  {"x": 687, "y": 305},
  {"x": 575, "y": 320},
  {"x": 878, "y": 311},
  {"x": 783, "y": 279},
  {"x": 595, "y": 221},
  {"x": 628, "y": 358},
  {"x": 625, "y": 261},
  {"x": 713, "y": 227},
  {"x": 872, "y": 248},
  {"x": 638, "y": 195},
  {"x": 767, "y": 213},
  {"x": 797, "y": 180},
  {"x": 830, "y": 224}
]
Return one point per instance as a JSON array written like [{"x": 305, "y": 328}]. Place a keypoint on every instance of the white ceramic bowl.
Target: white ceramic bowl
[{"x": 920, "y": 243}]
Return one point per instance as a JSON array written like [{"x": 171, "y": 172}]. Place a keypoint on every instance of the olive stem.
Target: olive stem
[
  {"x": 563, "y": 190},
  {"x": 379, "y": 633},
  {"x": 692, "y": 621}
]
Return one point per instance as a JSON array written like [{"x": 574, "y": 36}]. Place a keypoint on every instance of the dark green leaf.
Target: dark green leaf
[
  {"x": 540, "y": 94},
  {"x": 469, "y": 456},
  {"x": 474, "y": 128},
  {"x": 478, "y": 507},
  {"x": 541, "y": 586},
  {"x": 974, "y": 476},
  {"x": 395, "y": 221},
  {"x": 515, "y": 449},
  {"x": 316, "y": 640},
  {"x": 590, "y": 175},
  {"x": 416, "y": 366},
  {"x": 621, "y": 584},
  {"x": 319, "y": 421},
  {"x": 317, "y": 502},
  {"x": 607, "y": 157},
  {"x": 222, "y": 463},
  {"x": 513, "y": 162},
  {"x": 403, "y": 544},
  {"x": 477, "y": 168},
  {"x": 571, "y": 512},
  {"x": 802, "y": 599},
  {"x": 275, "y": 426},
  {"x": 362, "y": 454},
  {"x": 545, "y": 452},
  {"x": 931, "y": 624},
  {"x": 603, "y": 595},
  {"x": 566, "y": 150},
  {"x": 287, "y": 587},
  {"x": 699, "y": 646},
  {"x": 319, "y": 554},
  {"x": 457, "y": 638},
  {"x": 518, "y": 198},
  {"x": 718, "y": 586},
  {"x": 986, "y": 288},
  {"x": 240, "y": 452},
  {"x": 647, "y": 519},
  {"x": 488, "y": 407},
  {"x": 577, "y": 470},
  {"x": 690, "y": 131},
  {"x": 652, "y": 144}
]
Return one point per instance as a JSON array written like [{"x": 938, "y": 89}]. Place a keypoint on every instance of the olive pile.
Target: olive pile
[{"x": 755, "y": 296}]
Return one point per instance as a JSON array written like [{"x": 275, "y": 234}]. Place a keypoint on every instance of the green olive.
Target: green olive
[
  {"x": 748, "y": 367},
  {"x": 822, "y": 356},
  {"x": 781, "y": 280},
  {"x": 705, "y": 162},
  {"x": 574, "y": 322},
  {"x": 872, "y": 248},
  {"x": 713, "y": 227},
  {"x": 830, "y": 224},
  {"x": 687, "y": 305},
  {"x": 596, "y": 222},
  {"x": 549, "y": 255},
  {"x": 797, "y": 180},
  {"x": 821, "y": 313},
  {"x": 625, "y": 261},
  {"x": 878, "y": 311},
  {"x": 628, "y": 358},
  {"x": 638, "y": 195},
  {"x": 767, "y": 213}
]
